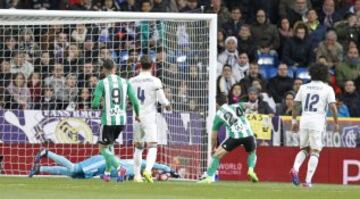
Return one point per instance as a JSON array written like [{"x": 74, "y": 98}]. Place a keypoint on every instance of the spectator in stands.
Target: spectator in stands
[
  {"x": 316, "y": 31},
  {"x": 233, "y": 25},
  {"x": 263, "y": 93},
  {"x": 221, "y": 11},
  {"x": 256, "y": 103},
  {"x": 246, "y": 42},
  {"x": 191, "y": 6},
  {"x": 225, "y": 81},
  {"x": 196, "y": 86},
  {"x": 286, "y": 32},
  {"x": 60, "y": 44},
  {"x": 85, "y": 72},
  {"x": 244, "y": 64},
  {"x": 254, "y": 73},
  {"x": 108, "y": 5},
  {"x": 182, "y": 97},
  {"x": 286, "y": 105},
  {"x": 19, "y": 64},
  {"x": 286, "y": 5},
  {"x": 236, "y": 95},
  {"x": 266, "y": 56},
  {"x": 280, "y": 84},
  {"x": 297, "y": 12},
  {"x": 92, "y": 81},
  {"x": 106, "y": 53},
  {"x": 82, "y": 5},
  {"x": 262, "y": 30},
  {"x": 56, "y": 81},
  {"x": 6, "y": 100},
  {"x": 90, "y": 50},
  {"x": 5, "y": 74},
  {"x": 48, "y": 100},
  {"x": 330, "y": 49},
  {"x": 72, "y": 60},
  {"x": 34, "y": 86},
  {"x": 128, "y": 5},
  {"x": 84, "y": 100},
  {"x": 343, "y": 110},
  {"x": 42, "y": 64},
  {"x": 349, "y": 69},
  {"x": 27, "y": 43},
  {"x": 10, "y": 47},
  {"x": 347, "y": 30},
  {"x": 78, "y": 35},
  {"x": 46, "y": 5},
  {"x": 19, "y": 91},
  {"x": 169, "y": 95},
  {"x": 297, "y": 83},
  {"x": 351, "y": 98},
  {"x": 221, "y": 41},
  {"x": 355, "y": 8},
  {"x": 160, "y": 6},
  {"x": 230, "y": 55},
  {"x": 327, "y": 14},
  {"x": 70, "y": 92},
  {"x": 297, "y": 50},
  {"x": 145, "y": 6}
]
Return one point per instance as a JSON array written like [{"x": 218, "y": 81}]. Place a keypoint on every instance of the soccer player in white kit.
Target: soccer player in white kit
[
  {"x": 314, "y": 97},
  {"x": 149, "y": 92}
]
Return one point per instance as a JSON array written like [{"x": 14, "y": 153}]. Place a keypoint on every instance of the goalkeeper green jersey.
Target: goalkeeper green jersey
[
  {"x": 114, "y": 91},
  {"x": 236, "y": 124}
]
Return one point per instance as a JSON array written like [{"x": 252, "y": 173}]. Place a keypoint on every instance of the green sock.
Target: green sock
[
  {"x": 213, "y": 166},
  {"x": 115, "y": 162},
  {"x": 252, "y": 160},
  {"x": 104, "y": 151}
]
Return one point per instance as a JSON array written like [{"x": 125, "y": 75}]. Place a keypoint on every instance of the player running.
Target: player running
[
  {"x": 113, "y": 90},
  {"x": 149, "y": 92},
  {"x": 314, "y": 98},
  {"x": 90, "y": 167},
  {"x": 239, "y": 133}
]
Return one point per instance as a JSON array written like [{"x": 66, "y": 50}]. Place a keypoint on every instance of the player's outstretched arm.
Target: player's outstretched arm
[
  {"x": 97, "y": 95},
  {"x": 295, "y": 112},
  {"x": 134, "y": 100},
  {"x": 334, "y": 111}
]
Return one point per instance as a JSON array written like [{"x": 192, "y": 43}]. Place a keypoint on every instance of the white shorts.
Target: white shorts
[
  {"x": 146, "y": 130},
  {"x": 310, "y": 138}
]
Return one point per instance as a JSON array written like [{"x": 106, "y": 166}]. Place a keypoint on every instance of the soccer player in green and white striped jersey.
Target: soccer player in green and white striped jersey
[
  {"x": 239, "y": 133},
  {"x": 114, "y": 91}
]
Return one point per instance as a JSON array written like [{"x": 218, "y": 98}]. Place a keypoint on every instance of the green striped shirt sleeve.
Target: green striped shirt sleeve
[
  {"x": 217, "y": 123},
  {"x": 133, "y": 99},
  {"x": 97, "y": 95}
]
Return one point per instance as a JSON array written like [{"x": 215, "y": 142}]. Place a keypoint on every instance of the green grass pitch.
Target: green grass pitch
[{"x": 66, "y": 188}]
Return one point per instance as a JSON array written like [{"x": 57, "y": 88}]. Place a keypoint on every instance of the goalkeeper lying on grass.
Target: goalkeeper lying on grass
[{"x": 90, "y": 167}]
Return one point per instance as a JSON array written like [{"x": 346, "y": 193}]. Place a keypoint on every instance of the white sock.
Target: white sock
[
  {"x": 151, "y": 158},
  {"x": 137, "y": 161},
  {"x": 299, "y": 159},
  {"x": 312, "y": 164}
]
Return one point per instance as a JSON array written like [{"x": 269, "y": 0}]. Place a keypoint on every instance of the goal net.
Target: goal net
[{"x": 50, "y": 64}]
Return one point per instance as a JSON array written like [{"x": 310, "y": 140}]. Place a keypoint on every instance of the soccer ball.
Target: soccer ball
[{"x": 162, "y": 176}]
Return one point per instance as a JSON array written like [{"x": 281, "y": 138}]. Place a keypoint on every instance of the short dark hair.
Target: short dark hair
[
  {"x": 146, "y": 62},
  {"x": 108, "y": 64},
  {"x": 319, "y": 72}
]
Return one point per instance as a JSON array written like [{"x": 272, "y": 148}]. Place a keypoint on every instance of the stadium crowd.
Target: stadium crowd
[{"x": 264, "y": 50}]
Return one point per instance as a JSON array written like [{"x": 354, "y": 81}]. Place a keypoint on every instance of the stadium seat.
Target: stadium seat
[{"x": 303, "y": 73}]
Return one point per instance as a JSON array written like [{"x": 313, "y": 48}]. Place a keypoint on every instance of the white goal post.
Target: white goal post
[{"x": 186, "y": 43}]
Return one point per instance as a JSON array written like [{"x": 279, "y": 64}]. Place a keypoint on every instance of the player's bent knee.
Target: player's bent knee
[{"x": 220, "y": 152}]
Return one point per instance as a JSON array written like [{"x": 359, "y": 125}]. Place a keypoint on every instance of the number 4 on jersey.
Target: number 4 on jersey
[{"x": 141, "y": 94}]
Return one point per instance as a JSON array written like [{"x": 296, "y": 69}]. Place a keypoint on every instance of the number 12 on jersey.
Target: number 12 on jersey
[
  {"x": 141, "y": 94},
  {"x": 310, "y": 102}
]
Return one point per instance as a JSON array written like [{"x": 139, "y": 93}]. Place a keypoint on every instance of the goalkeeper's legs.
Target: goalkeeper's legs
[
  {"x": 139, "y": 146},
  {"x": 55, "y": 170},
  {"x": 214, "y": 165},
  {"x": 61, "y": 160}
]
